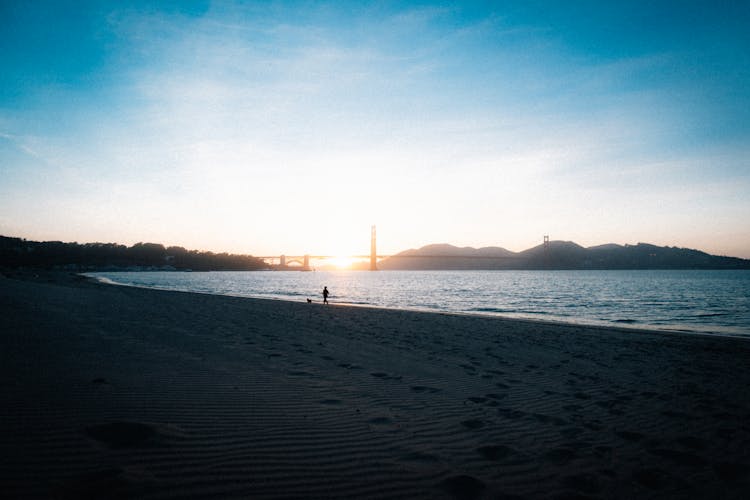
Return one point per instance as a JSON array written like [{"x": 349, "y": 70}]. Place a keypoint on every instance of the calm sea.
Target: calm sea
[{"x": 697, "y": 301}]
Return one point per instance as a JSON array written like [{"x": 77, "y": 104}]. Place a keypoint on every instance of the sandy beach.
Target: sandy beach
[{"x": 117, "y": 392}]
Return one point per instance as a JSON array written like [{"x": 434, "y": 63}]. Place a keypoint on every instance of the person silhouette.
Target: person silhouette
[{"x": 325, "y": 295}]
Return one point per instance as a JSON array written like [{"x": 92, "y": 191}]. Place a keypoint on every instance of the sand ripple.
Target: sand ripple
[{"x": 112, "y": 392}]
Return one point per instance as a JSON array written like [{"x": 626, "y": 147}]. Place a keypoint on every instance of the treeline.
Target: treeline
[{"x": 17, "y": 252}]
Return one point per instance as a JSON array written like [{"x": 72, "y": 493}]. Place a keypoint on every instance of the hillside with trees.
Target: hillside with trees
[{"x": 18, "y": 253}]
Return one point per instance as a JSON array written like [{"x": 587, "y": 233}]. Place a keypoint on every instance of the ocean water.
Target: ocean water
[{"x": 691, "y": 301}]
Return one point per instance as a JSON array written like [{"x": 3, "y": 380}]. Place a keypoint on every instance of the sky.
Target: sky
[{"x": 291, "y": 127}]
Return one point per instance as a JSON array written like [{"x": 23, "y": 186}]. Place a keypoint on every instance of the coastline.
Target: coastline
[
  {"x": 136, "y": 392},
  {"x": 629, "y": 325}
]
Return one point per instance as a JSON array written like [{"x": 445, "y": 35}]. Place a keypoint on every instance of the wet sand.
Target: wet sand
[{"x": 116, "y": 392}]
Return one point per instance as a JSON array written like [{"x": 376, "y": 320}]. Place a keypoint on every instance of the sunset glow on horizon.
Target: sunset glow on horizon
[
  {"x": 291, "y": 127},
  {"x": 341, "y": 262}
]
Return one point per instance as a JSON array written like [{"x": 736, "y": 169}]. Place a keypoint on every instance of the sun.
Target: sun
[{"x": 341, "y": 262}]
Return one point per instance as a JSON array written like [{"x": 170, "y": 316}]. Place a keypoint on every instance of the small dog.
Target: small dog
[{"x": 309, "y": 301}]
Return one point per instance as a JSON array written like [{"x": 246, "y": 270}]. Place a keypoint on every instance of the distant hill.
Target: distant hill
[
  {"x": 442, "y": 249},
  {"x": 559, "y": 255},
  {"x": 444, "y": 256},
  {"x": 17, "y": 252}
]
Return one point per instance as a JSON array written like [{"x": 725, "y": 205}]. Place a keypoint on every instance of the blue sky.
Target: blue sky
[{"x": 291, "y": 127}]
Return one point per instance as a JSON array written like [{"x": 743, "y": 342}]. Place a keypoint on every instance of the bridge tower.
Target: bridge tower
[
  {"x": 306, "y": 265},
  {"x": 282, "y": 261},
  {"x": 373, "y": 251}
]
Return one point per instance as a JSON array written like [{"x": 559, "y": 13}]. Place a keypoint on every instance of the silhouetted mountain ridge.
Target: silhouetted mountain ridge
[
  {"x": 560, "y": 255},
  {"x": 446, "y": 249}
]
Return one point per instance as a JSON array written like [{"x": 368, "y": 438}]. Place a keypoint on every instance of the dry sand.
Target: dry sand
[{"x": 115, "y": 392}]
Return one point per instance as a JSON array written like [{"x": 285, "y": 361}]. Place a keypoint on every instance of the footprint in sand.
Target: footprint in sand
[
  {"x": 571, "y": 432},
  {"x": 603, "y": 451},
  {"x": 473, "y": 424},
  {"x": 560, "y": 455},
  {"x": 679, "y": 457},
  {"x": 469, "y": 370},
  {"x": 546, "y": 419},
  {"x": 582, "y": 483},
  {"x": 111, "y": 482},
  {"x": 732, "y": 471},
  {"x": 420, "y": 458},
  {"x": 630, "y": 435},
  {"x": 424, "y": 388},
  {"x": 691, "y": 442},
  {"x": 652, "y": 478},
  {"x": 496, "y": 397},
  {"x": 462, "y": 487},
  {"x": 380, "y": 421},
  {"x": 727, "y": 433},
  {"x": 510, "y": 413},
  {"x": 607, "y": 404},
  {"x": 349, "y": 366},
  {"x": 496, "y": 452},
  {"x": 593, "y": 425},
  {"x": 384, "y": 424},
  {"x": 331, "y": 402},
  {"x": 682, "y": 415},
  {"x": 122, "y": 434}
]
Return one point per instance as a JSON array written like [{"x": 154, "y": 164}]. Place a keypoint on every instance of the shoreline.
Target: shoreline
[
  {"x": 675, "y": 329},
  {"x": 127, "y": 392}
]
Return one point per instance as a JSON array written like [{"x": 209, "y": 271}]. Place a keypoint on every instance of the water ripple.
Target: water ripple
[{"x": 703, "y": 301}]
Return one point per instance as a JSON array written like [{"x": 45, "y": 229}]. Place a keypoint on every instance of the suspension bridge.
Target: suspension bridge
[{"x": 302, "y": 262}]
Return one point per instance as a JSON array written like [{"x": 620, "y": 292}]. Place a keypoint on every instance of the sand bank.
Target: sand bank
[{"x": 117, "y": 392}]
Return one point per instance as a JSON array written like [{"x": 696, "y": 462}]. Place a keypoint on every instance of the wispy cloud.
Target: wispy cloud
[{"x": 475, "y": 125}]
